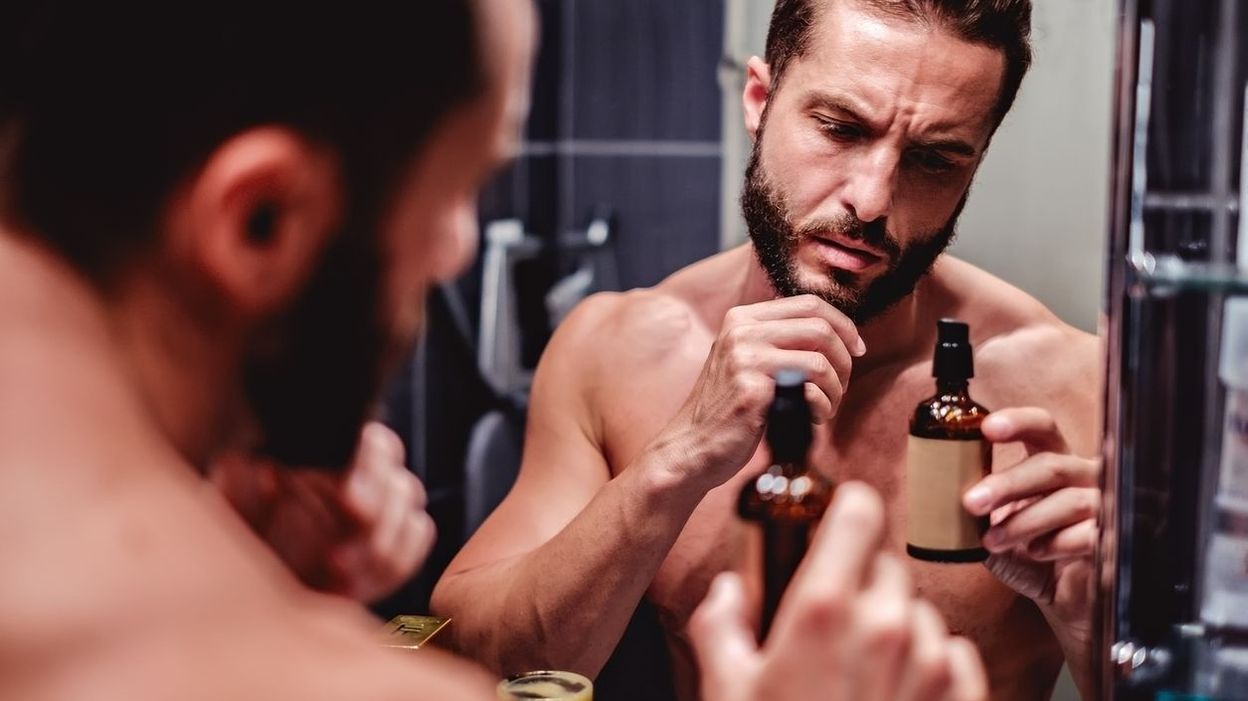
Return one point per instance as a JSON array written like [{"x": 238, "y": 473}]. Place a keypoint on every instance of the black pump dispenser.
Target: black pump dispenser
[{"x": 952, "y": 360}]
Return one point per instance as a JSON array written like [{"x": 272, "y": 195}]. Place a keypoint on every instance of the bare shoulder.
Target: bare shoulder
[
  {"x": 654, "y": 320},
  {"x": 657, "y": 320},
  {"x": 297, "y": 649},
  {"x": 334, "y": 653},
  {"x": 183, "y": 603},
  {"x": 1012, "y": 330},
  {"x": 624, "y": 325},
  {"x": 615, "y": 335},
  {"x": 609, "y": 349},
  {"x": 308, "y": 646},
  {"x": 1043, "y": 359},
  {"x": 1025, "y": 355},
  {"x": 622, "y": 355}
]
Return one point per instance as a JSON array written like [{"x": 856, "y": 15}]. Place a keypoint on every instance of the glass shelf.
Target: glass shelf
[{"x": 1167, "y": 274}]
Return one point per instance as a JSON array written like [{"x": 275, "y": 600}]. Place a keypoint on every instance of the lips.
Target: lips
[
  {"x": 855, "y": 246},
  {"x": 845, "y": 255}
]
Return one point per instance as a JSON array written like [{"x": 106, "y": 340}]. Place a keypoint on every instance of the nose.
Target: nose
[{"x": 872, "y": 181}]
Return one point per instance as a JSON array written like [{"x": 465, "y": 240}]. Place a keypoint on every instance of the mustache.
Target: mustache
[{"x": 874, "y": 233}]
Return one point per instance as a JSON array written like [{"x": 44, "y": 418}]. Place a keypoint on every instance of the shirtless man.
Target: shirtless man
[
  {"x": 869, "y": 119},
  {"x": 176, "y": 282},
  {"x": 218, "y": 223}
]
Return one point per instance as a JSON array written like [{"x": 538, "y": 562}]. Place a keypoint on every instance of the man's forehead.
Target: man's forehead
[{"x": 878, "y": 57}]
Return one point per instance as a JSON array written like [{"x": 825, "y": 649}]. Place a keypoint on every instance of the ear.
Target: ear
[
  {"x": 255, "y": 218},
  {"x": 757, "y": 91}
]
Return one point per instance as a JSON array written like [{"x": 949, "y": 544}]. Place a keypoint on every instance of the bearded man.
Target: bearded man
[{"x": 869, "y": 120}]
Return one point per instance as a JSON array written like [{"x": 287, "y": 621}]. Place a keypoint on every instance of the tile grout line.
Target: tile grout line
[{"x": 613, "y": 147}]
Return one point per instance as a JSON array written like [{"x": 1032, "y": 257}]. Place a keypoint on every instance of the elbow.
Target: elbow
[
  {"x": 459, "y": 635},
  {"x": 504, "y": 632},
  {"x": 442, "y": 600},
  {"x": 469, "y": 633}
]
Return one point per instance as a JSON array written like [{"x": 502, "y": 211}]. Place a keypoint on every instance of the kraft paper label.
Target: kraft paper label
[{"x": 938, "y": 473}]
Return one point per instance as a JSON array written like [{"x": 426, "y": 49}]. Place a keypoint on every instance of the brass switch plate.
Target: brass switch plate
[{"x": 412, "y": 632}]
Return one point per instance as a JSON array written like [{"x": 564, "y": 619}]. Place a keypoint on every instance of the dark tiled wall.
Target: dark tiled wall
[
  {"x": 625, "y": 114},
  {"x": 644, "y": 69},
  {"x": 642, "y": 134}
]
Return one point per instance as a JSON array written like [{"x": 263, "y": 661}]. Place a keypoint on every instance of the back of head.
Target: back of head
[
  {"x": 108, "y": 105},
  {"x": 1000, "y": 24}
]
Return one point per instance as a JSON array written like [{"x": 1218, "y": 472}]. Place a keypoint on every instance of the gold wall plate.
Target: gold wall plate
[{"x": 412, "y": 632}]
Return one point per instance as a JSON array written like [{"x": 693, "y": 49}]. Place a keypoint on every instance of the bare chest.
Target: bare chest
[{"x": 866, "y": 443}]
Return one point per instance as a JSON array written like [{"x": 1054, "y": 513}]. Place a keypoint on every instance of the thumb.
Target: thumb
[
  {"x": 722, "y": 637},
  {"x": 1032, "y": 426},
  {"x": 970, "y": 681}
]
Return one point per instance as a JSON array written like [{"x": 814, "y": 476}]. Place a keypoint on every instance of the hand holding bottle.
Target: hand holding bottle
[
  {"x": 788, "y": 499},
  {"x": 1045, "y": 509},
  {"x": 722, "y": 421},
  {"x": 849, "y": 626}
]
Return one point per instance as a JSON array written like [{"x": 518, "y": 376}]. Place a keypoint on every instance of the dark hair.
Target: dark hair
[
  {"x": 107, "y": 106},
  {"x": 999, "y": 24}
]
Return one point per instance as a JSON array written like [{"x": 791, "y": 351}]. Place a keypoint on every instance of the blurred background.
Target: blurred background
[{"x": 631, "y": 169}]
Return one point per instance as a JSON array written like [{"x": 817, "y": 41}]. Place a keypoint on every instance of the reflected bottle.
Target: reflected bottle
[
  {"x": 945, "y": 456},
  {"x": 1225, "y": 601},
  {"x": 788, "y": 499}
]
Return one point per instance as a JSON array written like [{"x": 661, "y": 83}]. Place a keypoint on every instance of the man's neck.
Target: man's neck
[
  {"x": 113, "y": 358},
  {"x": 889, "y": 336}
]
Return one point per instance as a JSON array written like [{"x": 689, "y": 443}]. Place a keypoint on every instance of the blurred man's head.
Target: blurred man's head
[
  {"x": 869, "y": 119},
  {"x": 290, "y": 176}
]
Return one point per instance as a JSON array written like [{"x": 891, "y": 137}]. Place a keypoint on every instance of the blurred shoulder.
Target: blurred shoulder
[
  {"x": 184, "y": 603},
  {"x": 1025, "y": 355}
]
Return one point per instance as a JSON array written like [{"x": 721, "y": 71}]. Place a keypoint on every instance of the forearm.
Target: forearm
[
  {"x": 565, "y": 604},
  {"x": 1075, "y": 642},
  {"x": 1082, "y": 669}
]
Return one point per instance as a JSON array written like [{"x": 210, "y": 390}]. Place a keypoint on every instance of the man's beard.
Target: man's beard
[
  {"x": 313, "y": 384},
  {"x": 775, "y": 245}
]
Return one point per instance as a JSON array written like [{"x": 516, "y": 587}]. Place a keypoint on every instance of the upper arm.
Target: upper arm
[
  {"x": 1058, "y": 369},
  {"x": 1076, "y": 389},
  {"x": 1085, "y": 381},
  {"x": 563, "y": 465}
]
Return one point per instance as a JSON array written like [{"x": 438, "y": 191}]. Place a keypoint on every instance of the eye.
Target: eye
[
  {"x": 841, "y": 131},
  {"x": 930, "y": 161}
]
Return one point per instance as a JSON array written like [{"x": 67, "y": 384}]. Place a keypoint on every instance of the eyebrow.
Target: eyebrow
[
  {"x": 836, "y": 103},
  {"x": 954, "y": 146}
]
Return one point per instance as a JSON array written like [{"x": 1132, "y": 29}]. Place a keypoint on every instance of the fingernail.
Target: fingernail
[
  {"x": 977, "y": 498},
  {"x": 860, "y": 349},
  {"x": 993, "y": 538},
  {"x": 995, "y": 423}
]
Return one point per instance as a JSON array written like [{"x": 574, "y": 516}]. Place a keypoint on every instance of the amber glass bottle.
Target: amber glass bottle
[
  {"x": 787, "y": 500},
  {"x": 946, "y": 455}
]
